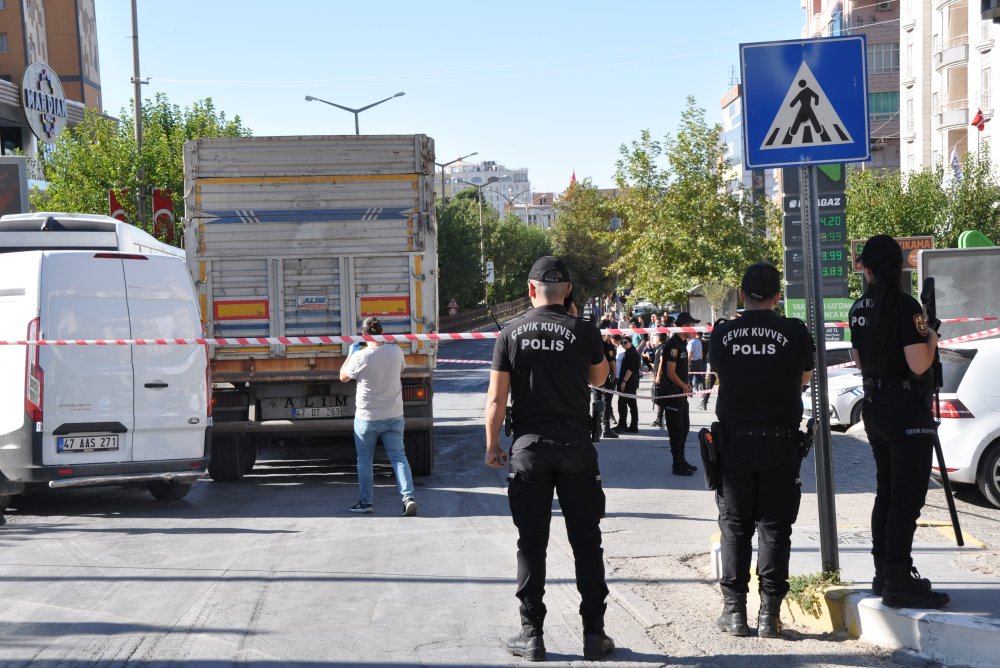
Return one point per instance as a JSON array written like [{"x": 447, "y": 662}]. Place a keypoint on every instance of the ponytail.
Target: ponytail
[{"x": 885, "y": 294}]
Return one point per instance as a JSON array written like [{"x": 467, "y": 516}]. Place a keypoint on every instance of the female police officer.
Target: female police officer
[{"x": 894, "y": 349}]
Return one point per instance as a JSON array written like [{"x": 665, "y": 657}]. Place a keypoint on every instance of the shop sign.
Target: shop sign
[{"x": 44, "y": 102}]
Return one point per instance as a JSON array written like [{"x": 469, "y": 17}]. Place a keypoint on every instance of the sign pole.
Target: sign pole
[{"x": 820, "y": 400}]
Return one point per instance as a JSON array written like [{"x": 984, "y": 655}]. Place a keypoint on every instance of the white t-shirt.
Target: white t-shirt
[
  {"x": 380, "y": 391},
  {"x": 694, "y": 349}
]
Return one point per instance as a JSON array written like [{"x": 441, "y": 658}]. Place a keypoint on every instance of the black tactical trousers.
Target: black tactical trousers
[
  {"x": 901, "y": 432},
  {"x": 563, "y": 461},
  {"x": 765, "y": 499},
  {"x": 677, "y": 415},
  {"x": 626, "y": 404}
]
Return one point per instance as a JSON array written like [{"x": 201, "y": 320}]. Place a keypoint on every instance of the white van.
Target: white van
[{"x": 99, "y": 415}]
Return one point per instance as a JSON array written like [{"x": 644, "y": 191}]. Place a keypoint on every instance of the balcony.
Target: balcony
[
  {"x": 907, "y": 80},
  {"x": 955, "y": 52},
  {"x": 909, "y": 23},
  {"x": 953, "y": 114},
  {"x": 985, "y": 43}
]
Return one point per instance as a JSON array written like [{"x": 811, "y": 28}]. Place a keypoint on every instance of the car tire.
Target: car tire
[
  {"x": 420, "y": 451},
  {"x": 250, "y": 451},
  {"x": 5, "y": 500},
  {"x": 169, "y": 490},
  {"x": 988, "y": 476},
  {"x": 856, "y": 413},
  {"x": 229, "y": 457}
]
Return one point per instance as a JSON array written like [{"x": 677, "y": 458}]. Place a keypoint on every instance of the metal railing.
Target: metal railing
[{"x": 480, "y": 317}]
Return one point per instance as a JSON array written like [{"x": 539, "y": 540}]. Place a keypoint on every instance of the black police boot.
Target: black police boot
[
  {"x": 658, "y": 420},
  {"x": 769, "y": 617},
  {"x": 878, "y": 582},
  {"x": 608, "y": 431},
  {"x": 529, "y": 643},
  {"x": 904, "y": 588},
  {"x": 596, "y": 643},
  {"x": 681, "y": 466},
  {"x": 734, "y": 615}
]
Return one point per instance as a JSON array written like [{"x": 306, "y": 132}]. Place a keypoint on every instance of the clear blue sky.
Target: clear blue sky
[{"x": 551, "y": 86}]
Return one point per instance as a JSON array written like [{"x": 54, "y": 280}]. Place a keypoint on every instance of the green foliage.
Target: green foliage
[
  {"x": 100, "y": 154},
  {"x": 684, "y": 223},
  {"x": 460, "y": 276},
  {"x": 808, "y": 590},
  {"x": 973, "y": 200},
  {"x": 581, "y": 238},
  {"x": 513, "y": 247}
]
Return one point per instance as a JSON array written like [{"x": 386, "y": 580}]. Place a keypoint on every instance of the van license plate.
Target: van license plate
[
  {"x": 323, "y": 412},
  {"x": 91, "y": 443}
]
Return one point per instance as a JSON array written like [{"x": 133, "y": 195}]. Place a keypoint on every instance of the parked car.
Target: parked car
[
  {"x": 843, "y": 387},
  {"x": 970, "y": 416}
]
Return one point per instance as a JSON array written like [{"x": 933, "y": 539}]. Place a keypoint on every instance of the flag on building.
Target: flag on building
[
  {"x": 979, "y": 120},
  {"x": 956, "y": 164}
]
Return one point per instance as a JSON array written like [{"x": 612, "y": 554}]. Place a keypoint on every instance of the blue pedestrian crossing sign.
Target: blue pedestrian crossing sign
[{"x": 805, "y": 102}]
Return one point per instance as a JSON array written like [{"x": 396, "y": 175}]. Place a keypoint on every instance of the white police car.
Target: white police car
[{"x": 843, "y": 387}]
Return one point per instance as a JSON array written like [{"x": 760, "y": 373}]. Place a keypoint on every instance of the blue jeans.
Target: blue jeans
[{"x": 366, "y": 435}]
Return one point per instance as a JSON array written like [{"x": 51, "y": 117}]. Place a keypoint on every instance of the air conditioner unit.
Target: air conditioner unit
[{"x": 885, "y": 6}]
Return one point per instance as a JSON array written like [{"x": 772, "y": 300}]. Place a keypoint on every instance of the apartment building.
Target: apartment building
[
  {"x": 60, "y": 34},
  {"x": 759, "y": 182},
  {"x": 879, "y": 22},
  {"x": 947, "y": 68},
  {"x": 503, "y": 188}
]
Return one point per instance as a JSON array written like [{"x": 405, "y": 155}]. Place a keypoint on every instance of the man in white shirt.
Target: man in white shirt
[
  {"x": 379, "y": 413},
  {"x": 696, "y": 362}
]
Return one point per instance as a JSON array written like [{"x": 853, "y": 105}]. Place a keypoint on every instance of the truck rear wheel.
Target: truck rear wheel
[
  {"x": 229, "y": 457},
  {"x": 420, "y": 451}
]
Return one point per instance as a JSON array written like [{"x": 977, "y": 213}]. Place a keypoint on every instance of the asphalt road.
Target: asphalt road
[{"x": 273, "y": 570}]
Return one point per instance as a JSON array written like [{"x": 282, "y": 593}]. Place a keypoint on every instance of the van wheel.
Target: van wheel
[
  {"x": 229, "y": 456},
  {"x": 169, "y": 490},
  {"x": 988, "y": 477},
  {"x": 420, "y": 451}
]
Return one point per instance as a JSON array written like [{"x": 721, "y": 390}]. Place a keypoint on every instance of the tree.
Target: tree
[
  {"x": 685, "y": 224},
  {"x": 100, "y": 154},
  {"x": 973, "y": 200},
  {"x": 582, "y": 239},
  {"x": 460, "y": 276},
  {"x": 513, "y": 247}
]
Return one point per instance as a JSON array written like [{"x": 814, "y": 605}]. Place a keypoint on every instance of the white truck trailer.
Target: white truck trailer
[{"x": 307, "y": 236}]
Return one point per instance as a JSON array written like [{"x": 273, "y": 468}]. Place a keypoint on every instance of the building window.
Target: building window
[
  {"x": 883, "y": 58},
  {"x": 984, "y": 89},
  {"x": 909, "y": 117},
  {"x": 883, "y": 105},
  {"x": 3, "y": 42}
]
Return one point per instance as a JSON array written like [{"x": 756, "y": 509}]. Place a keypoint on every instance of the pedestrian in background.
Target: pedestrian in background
[
  {"x": 610, "y": 353},
  {"x": 545, "y": 360},
  {"x": 674, "y": 384},
  {"x": 628, "y": 384},
  {"x": 894, "y": 349},
  {"x": 763, "y": 360},
  {"x": 379, "y": 414},
  {"x": 710, "y": 376},
  {"x": 696, "y": 362}
]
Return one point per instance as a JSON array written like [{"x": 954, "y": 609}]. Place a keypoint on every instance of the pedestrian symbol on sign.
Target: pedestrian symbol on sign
[{"x": 806, "y": 117}]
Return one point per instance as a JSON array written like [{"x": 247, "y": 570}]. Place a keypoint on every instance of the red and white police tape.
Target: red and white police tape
[{"x": 396, "y": 338}]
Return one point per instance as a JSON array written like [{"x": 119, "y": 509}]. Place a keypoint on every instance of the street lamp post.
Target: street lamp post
[
  {"x": 482, "y": 233},
  {"x": 357, "y": 130},
  {"x": 442, "y": 165},
  {"x": 511, "y": 198}
]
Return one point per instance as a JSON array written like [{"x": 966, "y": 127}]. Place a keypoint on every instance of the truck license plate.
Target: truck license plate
[
  {"x": 327, "y": 412},
  {"x": 91, "y": 443}
]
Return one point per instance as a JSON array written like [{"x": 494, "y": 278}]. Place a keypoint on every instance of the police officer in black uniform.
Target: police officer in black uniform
[
  {"x": 894, "y": 349},
  {"x": 762, "y": 360},
  {"x": 610, "y": 353},
  {"x": 545, "y": 360},
  {"x": 671, "y": 380}
]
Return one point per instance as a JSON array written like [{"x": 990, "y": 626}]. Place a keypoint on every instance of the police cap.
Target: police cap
[
  {"x": 549, "y": 269},
  {"x": 761, "y": 281}
]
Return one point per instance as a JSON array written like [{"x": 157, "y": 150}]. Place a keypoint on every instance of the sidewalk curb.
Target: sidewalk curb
[{"x": 949, "y": 637}]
